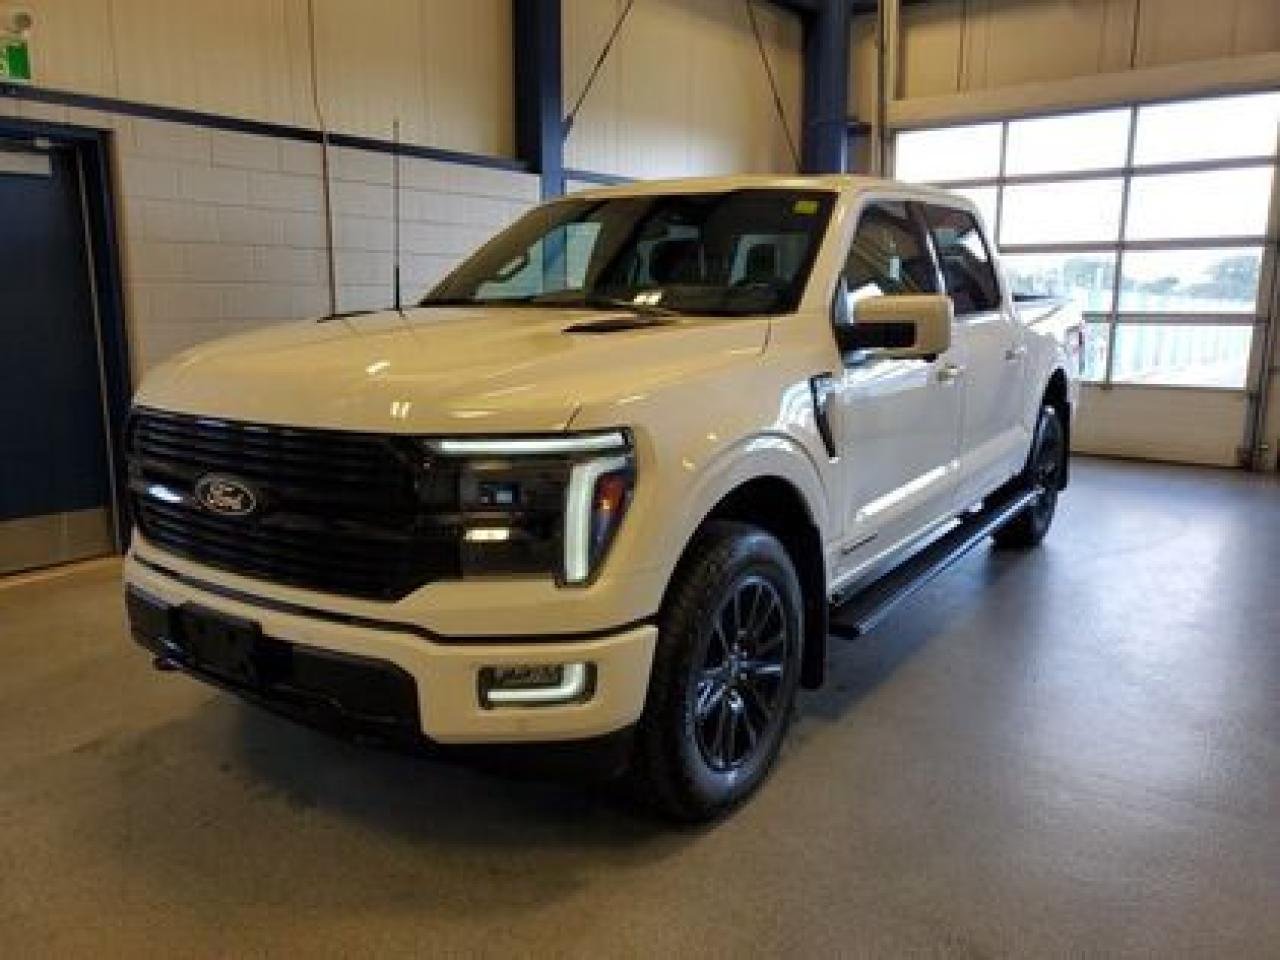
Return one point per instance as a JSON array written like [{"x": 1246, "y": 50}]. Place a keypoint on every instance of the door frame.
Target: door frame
[{"x": 92, "y": 148}]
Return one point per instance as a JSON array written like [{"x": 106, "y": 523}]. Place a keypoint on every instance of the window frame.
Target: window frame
[
  {"x": 915, "y": 216},
  {"x": 922, "y": 207},
  {"x": 1111, "y": 319}
]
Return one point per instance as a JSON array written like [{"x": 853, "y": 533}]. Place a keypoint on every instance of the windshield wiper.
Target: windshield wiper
[{"x": 617, "y": 303}]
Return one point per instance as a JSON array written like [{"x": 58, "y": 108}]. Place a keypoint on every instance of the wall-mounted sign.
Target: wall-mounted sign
[
  {"x": 15, "y": 60},
  {"x": 15, "y": 53}
]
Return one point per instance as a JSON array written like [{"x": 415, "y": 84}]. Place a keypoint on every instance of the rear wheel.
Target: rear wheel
[
  {"x": 1044, "y": 472},
  {"x": 725, "y": 673}
]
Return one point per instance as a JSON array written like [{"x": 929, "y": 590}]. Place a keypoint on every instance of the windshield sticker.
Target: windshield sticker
[{"x": 806, "y": 208}]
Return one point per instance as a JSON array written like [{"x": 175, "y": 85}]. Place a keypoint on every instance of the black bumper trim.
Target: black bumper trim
[
  {"x": 373, "y": 623},
  {"x": 324, "y": 688},
  {"x": 385, "y": 700}
]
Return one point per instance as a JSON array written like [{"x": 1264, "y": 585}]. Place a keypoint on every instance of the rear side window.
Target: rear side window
[
  {"x": 889, "y": 255},
  {"x": 964, "y": 259}
]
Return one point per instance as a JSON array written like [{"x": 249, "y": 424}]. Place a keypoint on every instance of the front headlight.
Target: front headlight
[{"x": 527, "y": 504}]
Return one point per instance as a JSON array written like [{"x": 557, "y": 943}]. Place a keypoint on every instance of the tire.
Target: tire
[
  {"x": 1045, "y": 467},
  {"x": 725, "y": 672}
]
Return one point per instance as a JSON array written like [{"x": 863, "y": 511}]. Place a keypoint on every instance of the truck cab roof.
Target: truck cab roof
[{"x": 839, "y": 183}]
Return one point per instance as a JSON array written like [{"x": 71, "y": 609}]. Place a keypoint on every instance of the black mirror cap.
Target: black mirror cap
[{"x": 876, "y": 336}]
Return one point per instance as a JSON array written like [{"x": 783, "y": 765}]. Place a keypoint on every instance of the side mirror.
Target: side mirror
[{"x": 906, "y": 326}]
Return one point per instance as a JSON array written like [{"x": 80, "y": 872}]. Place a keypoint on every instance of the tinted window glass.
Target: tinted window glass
[
  {"x": 889, "y": 255},
  {"x": 964, "y": 259}
]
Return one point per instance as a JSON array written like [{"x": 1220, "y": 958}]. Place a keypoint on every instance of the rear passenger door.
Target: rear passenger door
[{"x": 993, "y": 446}]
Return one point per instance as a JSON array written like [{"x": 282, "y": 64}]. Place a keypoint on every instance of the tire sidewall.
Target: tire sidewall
[
  {"x": 1049, "y": 426},
  {"x": 755, "y": 555}
]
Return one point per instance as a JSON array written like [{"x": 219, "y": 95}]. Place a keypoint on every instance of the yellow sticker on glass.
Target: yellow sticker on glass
[{"x": 805, "y": 208}]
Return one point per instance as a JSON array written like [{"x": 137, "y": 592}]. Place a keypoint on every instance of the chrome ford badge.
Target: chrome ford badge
[{"x": 227, "y": 496}]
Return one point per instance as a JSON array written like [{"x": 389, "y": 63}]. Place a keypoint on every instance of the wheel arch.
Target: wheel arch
[
  {"x": 776, "y": 505},
  {"x": 1058, "y": 396}
]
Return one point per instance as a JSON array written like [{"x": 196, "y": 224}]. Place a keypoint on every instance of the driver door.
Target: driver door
[{"x": 897, "y": 423}]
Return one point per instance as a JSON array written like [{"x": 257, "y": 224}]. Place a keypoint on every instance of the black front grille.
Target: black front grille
[{"x": 350, "y": 513}]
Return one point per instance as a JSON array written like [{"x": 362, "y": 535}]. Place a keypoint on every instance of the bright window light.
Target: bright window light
[
  {"x": 1219, "y": 129},
  {"x": 1088, "y": 279},
  {"x": 1223, "y": 280},
  {"x": 1071, "y": 212},
  {"x": 948, "y": 153},
  {"x": 1182, "y": 354},
  {"x": 1080, "y": 141},
  {"x": 1216, "y": 203}
]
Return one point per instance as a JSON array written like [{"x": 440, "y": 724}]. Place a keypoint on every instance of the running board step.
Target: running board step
[{"x": 863, "y": 610}]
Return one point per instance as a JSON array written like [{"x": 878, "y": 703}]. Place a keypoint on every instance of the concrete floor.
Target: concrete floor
[{"x": 1074, "y": 751}]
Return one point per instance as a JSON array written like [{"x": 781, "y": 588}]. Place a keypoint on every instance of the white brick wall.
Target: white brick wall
[{"x": 224, "y": 231}]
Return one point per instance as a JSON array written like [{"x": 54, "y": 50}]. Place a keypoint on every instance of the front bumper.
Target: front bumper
[{"x": 399, "y": 680}]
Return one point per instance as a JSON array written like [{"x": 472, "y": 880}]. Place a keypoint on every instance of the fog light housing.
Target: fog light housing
[{"x": 536, "y": 684}]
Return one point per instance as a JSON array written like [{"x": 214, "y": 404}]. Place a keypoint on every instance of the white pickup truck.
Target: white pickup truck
[{"x": 613, "y": 482}]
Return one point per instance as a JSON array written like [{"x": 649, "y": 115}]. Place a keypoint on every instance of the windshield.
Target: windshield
[{"x": 735, "y": 253}]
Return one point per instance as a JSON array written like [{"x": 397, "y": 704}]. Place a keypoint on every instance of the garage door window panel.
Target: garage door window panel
[
  {"x": 1152, "y": 219},
  {"x": 1182, "y": 354},
  {"x": 1088, "y": 279},
  {"x": 949, "y": 153},
  {"x": 1218, "y": 280},
  {"x": 1222, "y": 128},
  {"x": 1082, "y": 211},
  {"x": 1206, "y": 204},
  {"x": 1081, "y": 141}
]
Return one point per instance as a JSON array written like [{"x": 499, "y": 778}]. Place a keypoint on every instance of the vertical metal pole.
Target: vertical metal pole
[
  {"x": 1265, "y": 359},
  {"x": 1120, "y": 242},
  {"x": 539, "y": 101},
  {"x": 824, "y": 138},
  {"x": 997, "y": 228},
  {"x": 890, "y": 48}
]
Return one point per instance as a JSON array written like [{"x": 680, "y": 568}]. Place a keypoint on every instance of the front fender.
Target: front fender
[{"x": 765, "y": 455}]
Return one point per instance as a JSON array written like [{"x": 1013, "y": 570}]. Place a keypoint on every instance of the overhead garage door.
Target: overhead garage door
[{"x": 1155, "y": 219}]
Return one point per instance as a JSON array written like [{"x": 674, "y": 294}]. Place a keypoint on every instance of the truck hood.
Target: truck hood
[{"x": 446, "y": 370}]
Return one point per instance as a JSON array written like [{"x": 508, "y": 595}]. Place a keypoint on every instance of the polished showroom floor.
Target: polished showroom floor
[{"x": 1074, "y": 751}]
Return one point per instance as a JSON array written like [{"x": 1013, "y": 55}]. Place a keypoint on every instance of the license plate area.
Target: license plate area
[{"x": 229, "y": 647}]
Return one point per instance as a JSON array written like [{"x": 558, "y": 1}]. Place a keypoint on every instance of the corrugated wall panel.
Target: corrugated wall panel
[
  {"x": 684, "y": 91},
  {"x": 442, "y": 67},
  {"x": 957, "y": 46}
]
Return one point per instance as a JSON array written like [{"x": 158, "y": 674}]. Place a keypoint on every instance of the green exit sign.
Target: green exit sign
[{"x": 15, "y": 60}]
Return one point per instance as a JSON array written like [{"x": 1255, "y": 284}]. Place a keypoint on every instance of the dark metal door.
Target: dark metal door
[{"x": 55, "y": 489}]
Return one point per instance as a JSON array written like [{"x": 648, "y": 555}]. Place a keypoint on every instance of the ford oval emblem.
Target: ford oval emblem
[{"x": 227, "y": 496}]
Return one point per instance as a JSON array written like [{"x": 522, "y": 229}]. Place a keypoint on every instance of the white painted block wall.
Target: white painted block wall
[{"x": 222, "y": 232}]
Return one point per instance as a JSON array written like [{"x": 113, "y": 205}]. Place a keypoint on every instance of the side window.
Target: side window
[
  {"x": 965, "y": 260},
  {"x": 889, "y": 254}
]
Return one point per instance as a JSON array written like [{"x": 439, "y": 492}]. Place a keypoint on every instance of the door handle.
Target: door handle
[
  {"x": 1014, "y": 354},
  {"x": 950, "y": 373}
]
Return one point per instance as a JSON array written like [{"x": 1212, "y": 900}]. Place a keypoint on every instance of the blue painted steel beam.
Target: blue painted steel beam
[
  {"x": 539, "y": 101},
  {"x": 824, "y": 142}
]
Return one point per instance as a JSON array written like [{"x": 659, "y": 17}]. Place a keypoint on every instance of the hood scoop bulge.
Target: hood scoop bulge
[{"x": 617, "y": 324}]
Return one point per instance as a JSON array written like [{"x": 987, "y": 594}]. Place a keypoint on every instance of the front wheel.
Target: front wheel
[
  {"x": 1043, "y": 472},
  {"x": 724, "y": 676}
]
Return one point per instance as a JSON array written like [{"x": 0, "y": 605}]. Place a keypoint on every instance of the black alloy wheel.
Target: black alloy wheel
[
  {"x": 725, "y": 672},
  {"x": 739, "y": 691},
  {"x": 1043, "y": 473}
]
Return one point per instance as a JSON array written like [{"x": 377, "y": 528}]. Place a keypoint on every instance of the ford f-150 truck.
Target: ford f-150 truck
[{"x": 616, "y": 479}]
